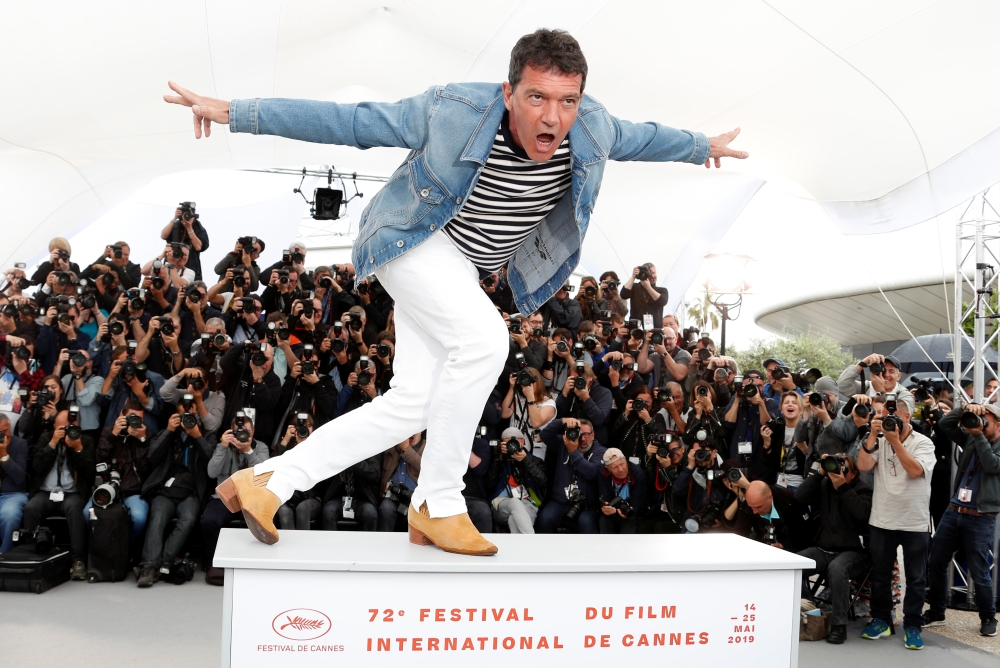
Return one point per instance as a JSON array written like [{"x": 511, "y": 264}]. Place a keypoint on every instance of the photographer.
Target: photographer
[
  {"x": 744, "y": 419},
  {"x": 180, "y": 454},
  {"x": 250, "y": 383},
  {"x": 664, "y": 458},
  {"x": 583, "y": 396},
  {"x": 561, "y": 311},
  {"x": 82, "y": 388},
  {"x": 122, "y": 447},
  {"x": 243, "y": 321},
  {"x": 844, "y": 503},
  {"x": 400, "y": 472},
  {"x": 777, "y": 518},
  {"x": 160, "y": 348},
  {"x": 186, "y": 228},
  {"x": 578, "y": 462},
  {"x": 635, "y": 427},
  {"x": 305, "y": 391},
  {"x": 377, "y": 305},
  {"x": 62, "y": 473},
  {"x": 670, "y": 414},
  {"x": 293, "y": 259},
  {"x": 622, "y": 378},
  {"x": 533, "y": 351},
  {"x": 820, "y": 429},
  {"x": 902, "y": 461},
  {"x": 360, "y": 332},
  {"x": 622, "y": 489},
  {"x": 779, "y": 379},
  {"x": 58, "y": 260},
  {"x": 281, "y": 290},
  {"x": 236, "y": 450},
  {"x": 520, "y": 479},
  {"x": 209, "y": 406},
  {"x": 560, "y": 357},
  {"x": 361, "y": 387},
  {"x": 352, "y": 494},
  {"x": 243, "y": 258},
  {"x": 173, "y": 262},
  {"x": 59, "y": 331},
  {"x": 970, "y": 520},
  {"x": 333, "y": 288},
  {"x": 670, "y": 362},
  {"x": 383, "y": 351},
  {"x": 14, "y": 464},
  {"x": 304, "y": 321},
  {"x": 704, "y": 415},
  {"x": 647, "y": 299},
  {"x": 194, "y": 311},
  {"x": 698, "y": 486},
  {"x": 127, "y": 381},
  {"x": 529, "y": 407},
  {"x": 42, "y": 408},
  {"x": 114, "y": 261},
  {"x": 17, "y": 368},
  {"x": 789, "y": 458},
  {"x": 609, "y": 290},
  {"x": 590, "y": 299},
  {"x": 884, "y": 379}
]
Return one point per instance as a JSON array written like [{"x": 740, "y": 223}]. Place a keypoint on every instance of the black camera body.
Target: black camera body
[
  {"x": 513, "y": 447},
  {"x": 239, "y": 277},
  {"x": 618, "y": 503},
  {"x": 643, "y": 273},
  {"x": 970, "y": 420},
  {"x": 572, "y": 433},
  {"x": 188, "y": 210},
  {"x": 577, "y": 503},
  {"x": 176, "y": 250},
  {"x": 639, "y": 405},
  {"x": 302, "y": 425},
  {"x": 383, "y": 350},
  {"x": 133, "y": 421},
  {"x": 308, "y": 367},
  {"x": 338, "y": 345},
  {"x": 257, "y": 354},
  {"x": 836, "y": 463},
  {"x": 890, "y": 422},
  {"x": 73, "y": 429},
  {"x": 189, "y": 420},
  {"x": 400, "y": 494},
  {"x": 166, "y": 325},
  {"x": 817, "y": 399},
  {"x": 705, "y": 519},
  {"x": 579, "y": 383}
]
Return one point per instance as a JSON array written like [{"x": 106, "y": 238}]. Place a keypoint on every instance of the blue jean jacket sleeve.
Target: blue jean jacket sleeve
[
  {"x": 653, "y": 142},
  {"x": 401, "y": 124}
]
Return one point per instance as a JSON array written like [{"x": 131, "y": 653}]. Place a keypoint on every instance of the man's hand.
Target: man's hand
[
  {"x": 718, "y": 147},
  {"x": 205, "y": 109},
  {"x": 608, "y": 510}
]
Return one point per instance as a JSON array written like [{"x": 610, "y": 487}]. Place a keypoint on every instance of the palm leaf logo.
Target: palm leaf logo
[{"x": 302, "y": 624}]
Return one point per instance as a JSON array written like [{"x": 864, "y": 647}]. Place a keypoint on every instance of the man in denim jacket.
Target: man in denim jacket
[{"x": 468, "y": 144}]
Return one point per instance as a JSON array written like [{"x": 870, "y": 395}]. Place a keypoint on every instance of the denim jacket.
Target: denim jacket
[{"x": 450, "y": 131}]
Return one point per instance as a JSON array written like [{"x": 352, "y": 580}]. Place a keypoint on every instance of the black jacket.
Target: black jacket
[
  {"x": 638, "y": 489},
  {"x": 241, "y": 392},
  {"x": 81, "y": 464},
  {"x": 843, "y": 513},
  {"x": 364, "y": 477},
  {"x": 642, "y": 303},
  {"x": 178, "y": 233},
  {"x": 130, "y": 456},
  {"x": 14, "y": 474},
  {"x": 129, "y": 276},
  {"x": 160, "y": 455},
  {"x": 794, "y": 528}
]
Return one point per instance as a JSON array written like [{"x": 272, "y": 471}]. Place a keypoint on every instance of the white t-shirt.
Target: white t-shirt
[
  {"x": 521, "y": 420},
  {"x": 899, "y": 502}
]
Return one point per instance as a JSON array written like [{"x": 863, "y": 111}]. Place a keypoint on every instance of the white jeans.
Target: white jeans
[{"x": 451, "y": 346}]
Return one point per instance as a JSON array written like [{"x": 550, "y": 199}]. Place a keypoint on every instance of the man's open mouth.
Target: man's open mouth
[{"x": 544, "y": 141}]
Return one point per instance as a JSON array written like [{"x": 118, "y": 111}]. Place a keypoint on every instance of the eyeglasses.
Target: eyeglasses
[{"x": 586, "y": 433}]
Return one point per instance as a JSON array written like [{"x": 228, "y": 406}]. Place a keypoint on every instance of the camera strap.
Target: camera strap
[{"x": 708, "y": 492}]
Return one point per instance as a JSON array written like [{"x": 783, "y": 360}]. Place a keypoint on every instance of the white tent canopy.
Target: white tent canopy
[{"x": 881, "y": 113}]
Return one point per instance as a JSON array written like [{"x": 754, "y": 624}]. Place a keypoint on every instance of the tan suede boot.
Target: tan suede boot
[
  {"x": 247, "y": 492},
  {"x": 452, "y": 534}
]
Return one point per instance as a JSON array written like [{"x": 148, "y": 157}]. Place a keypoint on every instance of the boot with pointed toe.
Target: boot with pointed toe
[
  {"x": 247, "y": 492},
  {"x": 452, "y": 534}
]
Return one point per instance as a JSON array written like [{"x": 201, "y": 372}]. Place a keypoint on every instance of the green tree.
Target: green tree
[
  {"x": 703, "y": 315},
  {"x": 797, "y": 351}
]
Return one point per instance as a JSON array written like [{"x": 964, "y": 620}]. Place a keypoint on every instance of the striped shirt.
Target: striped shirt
[{"x": 512, "y": 196}]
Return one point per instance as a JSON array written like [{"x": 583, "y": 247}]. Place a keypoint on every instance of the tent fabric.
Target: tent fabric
[{"x": 881, "y": 112}]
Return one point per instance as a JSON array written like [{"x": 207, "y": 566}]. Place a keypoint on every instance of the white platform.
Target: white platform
[{"x": 376, "y": 598}]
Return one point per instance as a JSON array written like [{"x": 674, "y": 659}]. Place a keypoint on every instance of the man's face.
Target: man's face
[
  {"x": 769, "y": 368},
  {"x": 255, "y": 253},
  {"x": 671, "y": 322},
  {"x": 6, "y": 429},
  {"x": 202, "y": 303},
  {"x": 317, "y": 310},
  {"x": 293, "y": 280},
  {"x": 535, "y": 322},
  {"x": 252, "y": 318},
  {"x": 891, "y": 374},
  {"x": 185, "y": 254},
  {"x": 652, "y": 274},
  {"x": 761, "y": 506},
  {"x": 542, "y": 109},
  {"x": 123, "y": 260},
  {"x": 626, "y": 372},
  {"x": 79, "y": 370},
  {"x": 586, "y": 437},
  {"x": 618, "y": 468},
  {"x": 669, "y": 338},
  {"x": 991, "y": 389},
  {"x": 215, "y": 329}
]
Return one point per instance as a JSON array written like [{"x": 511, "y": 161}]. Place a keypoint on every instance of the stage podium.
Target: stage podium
[{"x": 321, "y": 598}]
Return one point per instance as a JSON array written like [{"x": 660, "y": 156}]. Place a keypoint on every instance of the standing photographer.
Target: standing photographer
[
  {"x": 748, "y": 412},
  {"x": 114, "y": 261},
  {"x": 561, "y": 311},
  {"x": 529, "y": 407},
  {"x": 609, "y": 290},
  {"x": 844, "y": 503},
  {"x": 819, "y": 428},
  {"x": 252, "y": 386},
  {"x": 902, "y": 461},
  {"x": 583, "y": 396},
  {"x": 520, "y": 479},
  {"x": 635, "y": 427},
  {"x": 884, "y": 379},
  {"x": 622, "y": 489},
  {"x": 186, "y": 228},
  {"x": 970, "y": 520},
  {"x": 648, "y": 298},
  {"x": 242, "y": 259}
]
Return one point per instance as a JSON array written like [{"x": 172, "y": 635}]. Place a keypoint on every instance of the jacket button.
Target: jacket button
[
  {"x": 433, "y": 227},
  {"x": 399, "y": 244},
  {"x": 458, "y": 200},
  {"x": 425, "y": 192},
  {"x": 371, "y": 259}
]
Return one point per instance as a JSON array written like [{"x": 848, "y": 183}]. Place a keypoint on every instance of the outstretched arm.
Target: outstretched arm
[{"x": 653, "y": 142}]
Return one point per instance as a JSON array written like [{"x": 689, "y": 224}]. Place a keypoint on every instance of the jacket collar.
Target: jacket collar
[{"x": 582, "y": 145}]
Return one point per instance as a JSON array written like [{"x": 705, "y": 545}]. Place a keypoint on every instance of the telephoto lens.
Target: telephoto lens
[
  {"x": 618, "y": 503},
  {"x": 969, "y": 420}
]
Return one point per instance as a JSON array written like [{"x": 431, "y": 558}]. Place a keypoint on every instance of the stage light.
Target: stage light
[{"x": 327, "y": 203}]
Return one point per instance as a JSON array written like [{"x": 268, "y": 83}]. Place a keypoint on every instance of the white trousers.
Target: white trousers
[{"x": 451, "y": 346}]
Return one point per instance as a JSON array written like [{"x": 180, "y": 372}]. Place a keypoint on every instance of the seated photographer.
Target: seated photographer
[
  {"x": 699, "y": 486},
  {"x": 520, "y": 478},
  {"x": 185, "y": 227},
  {"x": 352, "y": 494},
  {"x": 970, "y": 520},
  {"x": 58, "y": 260},
  {"x": 306, "y": 391},
  {"x": 779, "y": 379},
  {"x": 670, "y": 362},
  {"x": 622, "y": 490},
  {"x": 777, "y": 518},
  {"x": 844, "y": 503},
  {"x": 43, "y": 406},
  {"x": 17, "y": 368},
  {"x": 59, "y": 331},
  {"x": 583, "y": 396},
  {"x": 250, "y": 383},
  {"x": 578, "y": 460},
  {"x": 361, "y": 387},
  {"x": 646, "y": 298},
  {"x": 160, "y": 347},
  {"x": 244, "y": 257},
  {"x": 179, "y": 481},
  {"x": 82, "y": 388},
  {"x": 128, "y": 381},
  {"x": 477, "y": 498},
  {"x": 781, "y": 452},
  {"x": 122, "y": 448},
  {"x": 529, "y": 407},
  {"x": 236, "y": 450},
  {"x": 665, "y": 455},
  {"x": 746, "y": 414},
  {"x": 14, "y": 469},
  {"x": 62, "y": 472},
  {"x": 884, "y": 378},
  {"x": 671, "y": 413},
  {"x": 209, "y": 406},
  {"x": 635, "y": 427},
  {"x": 609, "y": 290},
  {"x": 161, "y": 293},
  {"x": 561, "y": 312},
  {"x": 400, "y": 472},
  {"x": 114, "y": 261},
  {"x": 820, "y": 429}
]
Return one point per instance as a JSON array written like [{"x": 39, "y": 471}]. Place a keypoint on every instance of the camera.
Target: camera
[
  {"x": 400, "y": 494},
  {"x": 242, "y": 434},
  {"x": 663, "y": 442},
  {"x": 969, "y": 420},
  {"x": 338, "y": 345},
  {"x": 79, "y": 360},
  {"x": 572, "y": 433},
  {"x": 701, "y": 456},
  {"x": 246, "y": 244},
  {"x": 704, "y": 354},
  {"x": 515, "y": 327},
  {"x": 701, "y": 391},
  {"x": 577, "y": 502},
  {"x": 721, "y": 373},
  {"x": 562, "y": 346},
  {"x": 187, "y": 210},
  {"x": 704, "y": 519},
  {"x": 136, "y": 299},
  {"x": 109, "y": 490},
  {"x": 876, "y": 368},
  {"x": 769, "y": 535},
  {"x": 611, "y": 284},
  {"x": 73, "y": 430},
  {"x": 890, "y": 422},
  {"x": 189, "y": 420},
  {"x": 166, "y": 325},
  {"x": 590, "y": 342},
  {"x": 220, "y": 340},
  {"x": 749, "y": 391},
  {"x": 639, "y": 405},
  {"x": 44, "y": 395},
  {"x": 734, "y": 475},
  {"x": 183, "y": 570},
  {"x": 62, "y": 277},
  {"x": 133, "y": 421},
  {"x": 579, "y": 383},
  {"x": 283, "y": 276},
  {"x": 615, "y": 364},
  {"x": 577, "y": 350},
  {"x": 364, "y": 376},
  {"x": 356, "y": 324},
  {"x": 308, "y": 367},
  {"x": 239, "y": 277},
  {"x": 176, "y": 250},
  {"x": 257, "y": 355},
  {"x": 780, "y": 372},
  {"x": 302, "y": 425},
  {"x": 307, "y": 307},
  {"x": 41, "y": 536},
  {"x": 245, "y": 305},
  {"x": 618, "y": 503},
  {"x": 643, "y": 273},
  {"x": 657, "y": 337},
  {"x": 117, "y": 251},
  {"x": 525, "y": 378},
  {"x": 834, "y": 464},
  {"x": 22, "y": 353},
  {"x": 383, "y": 350},
  {"x": 513, "y": 447},
  {"x": 817, "y": 399},
  {"x": 663, "y": 395},
  {"x": 489, "y": 282}
]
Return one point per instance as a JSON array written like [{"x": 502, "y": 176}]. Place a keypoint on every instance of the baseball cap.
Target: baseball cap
[
  {"x": 893, "y": 361},
  {"x": 511, "y": 432},
  {"x": 993, "y": 410},
  {"x": 773, "y": 359},
  {"x": 612, "y": 454}
]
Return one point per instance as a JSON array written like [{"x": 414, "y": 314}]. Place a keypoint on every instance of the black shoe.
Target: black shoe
[
  {"x": 79, "y": 571},
  {"x": 838, "y": 634},
  {"x": 147, "y": 576},
  {"x": 932, "y": 620},
  {"x": 216, "y": 576},
  {"x": 988, "y": 627}
]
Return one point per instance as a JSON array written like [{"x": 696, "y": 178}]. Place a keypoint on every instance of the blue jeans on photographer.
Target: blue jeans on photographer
[
  {"x": 883, "y": 550},
  {"x": 138, "y": 509},
  {"x": 975, "y": 535},
  {"x": 11, "y": 511},
  {"x": 552, "y": 514}
]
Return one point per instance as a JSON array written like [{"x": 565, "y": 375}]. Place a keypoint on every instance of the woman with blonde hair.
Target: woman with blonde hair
[{"x": 58, "y": 260}]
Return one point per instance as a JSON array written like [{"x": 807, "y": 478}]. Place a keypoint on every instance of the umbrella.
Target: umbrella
[{"x": 938, "y": 346}]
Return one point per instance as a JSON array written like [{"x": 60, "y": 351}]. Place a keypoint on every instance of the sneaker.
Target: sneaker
[
  {"x": 876, "y": 629},
  {"x": 79, "y": 571},
  {"x": 147, "y": 576},
  {"x": 989, "y": 627},
  {"x": 912, "y": 639},
  {"x": 932, "y": 620}
]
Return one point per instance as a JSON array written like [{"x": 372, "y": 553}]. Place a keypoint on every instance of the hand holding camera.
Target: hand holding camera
[{"x": 973, "y": 419}]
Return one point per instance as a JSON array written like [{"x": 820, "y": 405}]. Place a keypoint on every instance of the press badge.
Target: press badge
[
  {"x": 634, "y": 460},
  {"x": 965, "y": 495},
  {"x": 348, "y": 508},
  {"x": 56, "y": 496},
  {"x": 647, "y": 321},
  {"x": 744, "y": 447},
  {"x": 251, "y": 413},
  {"x": 782, "y": 480}
]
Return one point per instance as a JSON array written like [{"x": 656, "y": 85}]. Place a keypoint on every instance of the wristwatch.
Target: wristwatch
[{"x": 4, "y": 459}]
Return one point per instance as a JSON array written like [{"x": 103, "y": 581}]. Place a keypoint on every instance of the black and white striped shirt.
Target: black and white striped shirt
[{"x": 512, "y": 196}]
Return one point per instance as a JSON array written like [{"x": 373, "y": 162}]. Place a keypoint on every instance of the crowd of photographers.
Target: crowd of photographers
[{"x": 146, "y": 386}]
